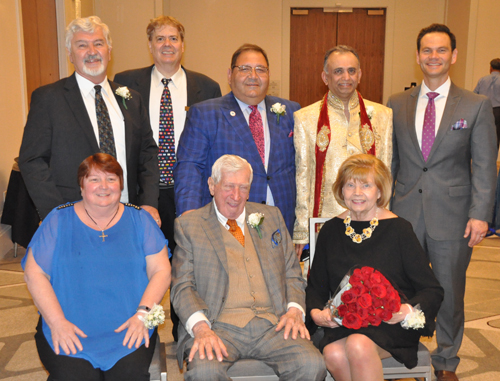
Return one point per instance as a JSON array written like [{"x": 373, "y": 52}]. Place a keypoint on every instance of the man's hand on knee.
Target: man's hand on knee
[
  {"x": 206, "y": 342},
  {"x": 292, "y": 321}
]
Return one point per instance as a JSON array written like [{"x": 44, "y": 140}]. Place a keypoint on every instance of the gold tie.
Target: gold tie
[{"x": 235, "y": 230}]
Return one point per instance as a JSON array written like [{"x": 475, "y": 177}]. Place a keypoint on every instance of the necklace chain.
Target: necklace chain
[
  {"x": 367, "y": 232},
  {"x": 102, "y": 230}
]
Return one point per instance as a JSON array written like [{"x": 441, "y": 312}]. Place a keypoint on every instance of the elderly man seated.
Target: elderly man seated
[{"x": 237, "y": 286}]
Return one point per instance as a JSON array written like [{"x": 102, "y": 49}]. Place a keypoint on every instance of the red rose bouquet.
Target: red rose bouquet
[{"x": 363, "y": 298}]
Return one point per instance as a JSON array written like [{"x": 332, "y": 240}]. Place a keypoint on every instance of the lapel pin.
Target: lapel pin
[{"x": 232, "y": 113}]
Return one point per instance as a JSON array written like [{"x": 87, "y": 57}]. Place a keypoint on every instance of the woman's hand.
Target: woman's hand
[
  {"x": 64, "y": 335},
  {"x": 323, "y": 318},
  {"x": 136, "y": 331},
  {"x": 398, "y": 317}
]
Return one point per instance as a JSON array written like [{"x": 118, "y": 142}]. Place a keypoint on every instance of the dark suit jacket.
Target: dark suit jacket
[
  {"x": 217, "y": 127},
  {"x": 200, "y": 277},
  {"x": 458, "y": 180},
  {"x": 199, "y": 86},
  {"x": 58, "y": 136}
]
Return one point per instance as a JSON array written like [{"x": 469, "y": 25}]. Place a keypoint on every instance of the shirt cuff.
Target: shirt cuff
[
  {"x": 296, "y": 305},
  {"x": 196, "y": 318}
]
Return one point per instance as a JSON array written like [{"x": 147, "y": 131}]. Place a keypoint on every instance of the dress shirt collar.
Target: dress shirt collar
[
  {"x": 223, "y": 220},
  {"x": 442, "y": 90},
  {"x": 175, "y": 79},
  {"x": 246, "y": 108},
  {"x": 87, "y": 87}
]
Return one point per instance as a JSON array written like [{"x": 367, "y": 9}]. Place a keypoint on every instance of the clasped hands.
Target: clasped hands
[
  {"x": 65, "y": 335},
  {"x": 206, "y": 341}
]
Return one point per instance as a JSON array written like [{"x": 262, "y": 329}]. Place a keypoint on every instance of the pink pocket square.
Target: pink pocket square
[
  {"x": 290, "y": 134},
  {"x": 460, "y": 125}
]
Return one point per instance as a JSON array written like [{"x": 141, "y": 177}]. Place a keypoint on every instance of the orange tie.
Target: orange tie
[{"x": 235, "y": 230}]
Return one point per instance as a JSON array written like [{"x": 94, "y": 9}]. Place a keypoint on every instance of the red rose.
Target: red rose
[
  {"x": 394, "y": 305},
  {"x": 342, "y": 310},
  {"x": 365, "y": 323},
  {"x": 365, "y": 300},
  {"x": 376, "y": 277},
  {"x": 371, "y": 310},
  {"x": 366, "y": 271},
  {"x": 352, "y": 321},
  {"x": 378, "y": 290},
  {"x": 352, "y": 307},
  {"x": 368, "y": 283},
  {"x": 385, "y": 281},
  {"x": 374, "y": 320},
  {"x": 356, "y": 277},
  {"x": 386, "y": 314},
  {"x": 358, "y": 289},
  {"x": 362, "y": 312},
  {"x": 377, "y": 302},
  {"x": 348, "y": 297}
]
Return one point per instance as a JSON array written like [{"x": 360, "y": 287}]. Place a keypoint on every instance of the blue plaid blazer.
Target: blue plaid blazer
[{"x": 217, "y": 127}]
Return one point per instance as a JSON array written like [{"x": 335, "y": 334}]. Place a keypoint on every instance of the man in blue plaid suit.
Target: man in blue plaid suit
[{"x": 221, "y": 126}]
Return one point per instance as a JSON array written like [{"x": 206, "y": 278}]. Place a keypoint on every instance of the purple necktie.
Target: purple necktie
[
  {"x": 429, "y": 128},
  {"x": 257, "y": 129},
  {"x": 166, "y": 138}
]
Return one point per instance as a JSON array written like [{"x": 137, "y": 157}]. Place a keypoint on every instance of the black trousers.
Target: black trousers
[
  {"x": 166, "y": 209},
  {"x": 133, "y": 367}
]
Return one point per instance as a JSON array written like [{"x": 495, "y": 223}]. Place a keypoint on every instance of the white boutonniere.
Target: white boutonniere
[
  {"x": 255, "y": 220},
  {"x": 279, "y": 110},
  {"x": 124, "y": 92}
]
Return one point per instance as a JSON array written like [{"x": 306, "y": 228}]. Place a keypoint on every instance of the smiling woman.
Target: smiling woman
[{"x": 95, "y": 269}]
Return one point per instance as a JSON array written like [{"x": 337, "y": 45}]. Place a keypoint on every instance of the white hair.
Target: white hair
[
  {"x": 231, "y": 164},
  {"x": 89, "y": 25}
]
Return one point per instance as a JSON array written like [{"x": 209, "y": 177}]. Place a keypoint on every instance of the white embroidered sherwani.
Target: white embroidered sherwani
[{"x": 344, "y": 142}]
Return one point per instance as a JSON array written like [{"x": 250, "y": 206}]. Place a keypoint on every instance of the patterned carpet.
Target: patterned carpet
[{"x": 480, "y": 350}]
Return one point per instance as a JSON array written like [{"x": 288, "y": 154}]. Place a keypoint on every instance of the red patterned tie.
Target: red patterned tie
[
  {"x": 429, "y": 128},
  {"x": 255, "y": 122},
  {"x": 235, "y": 230},
  {"x": 166, "y": 138}
]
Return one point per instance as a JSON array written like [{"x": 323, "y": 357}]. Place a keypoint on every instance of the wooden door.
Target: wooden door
[
  {"x": 40, "y": 43},
  {"x": 313, "y": 32}
]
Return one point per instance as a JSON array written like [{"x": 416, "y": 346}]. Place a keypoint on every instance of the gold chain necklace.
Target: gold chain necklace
[
  {"x": 102, "y": 230},
  {"x": 367, "y": 232}
]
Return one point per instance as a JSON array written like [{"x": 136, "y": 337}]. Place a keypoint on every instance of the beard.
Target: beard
[{"x": 93, "y": 72}]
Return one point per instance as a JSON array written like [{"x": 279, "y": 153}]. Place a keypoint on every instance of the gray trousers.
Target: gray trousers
[{"x": 291, "y": 359}]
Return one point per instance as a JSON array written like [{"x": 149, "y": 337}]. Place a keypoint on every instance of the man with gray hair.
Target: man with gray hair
[
  {"x": 327, "y": 132},
  {"x": 80, "y": 115},
  {"x": 490, "y": 86},
  {"x": 237, "y": 285}
]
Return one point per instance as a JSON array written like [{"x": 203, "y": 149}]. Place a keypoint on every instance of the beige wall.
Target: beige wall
[{"x": 13, "y": 101}]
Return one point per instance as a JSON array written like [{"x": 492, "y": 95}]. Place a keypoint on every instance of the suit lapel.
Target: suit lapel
[
  {"x": 212, "y": 226},
  {"x": 259, "y": 243},
  {"x": 446, "y": 121},
  {"x": 77, "y": 106},
  {"x": 127, "y": 120},
  {"x": 144, "y": 84},
  {"x": 274, "y": 130},
  {"x": 233, "y": 114},
  {"x": 192, "y": 88},
  {"x": 411, "y": 113}
]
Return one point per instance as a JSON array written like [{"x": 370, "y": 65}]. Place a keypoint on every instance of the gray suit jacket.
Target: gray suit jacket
[
  {"x": 200, "y": 272},
  {"x": 59, "y": 135},
  {"x": 458, "y": 180},
  {"x": 199, "y": 86}
]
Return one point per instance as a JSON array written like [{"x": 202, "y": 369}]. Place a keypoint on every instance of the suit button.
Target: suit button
[
  {"x": 269, "y": 177},
  {"x": 263, "y": 202},
  {"x": 420, "y": 191},
  {"x": 425, "y": 169}
]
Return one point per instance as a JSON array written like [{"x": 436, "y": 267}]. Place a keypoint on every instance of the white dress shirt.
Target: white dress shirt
[
  {"x": 439, "y": 102},
  {"x": 199, "y": 315},
  {"x": 178, "y": 93},
  {"x": 116, "y": 117},
  {"x": 261, "y": 107}
]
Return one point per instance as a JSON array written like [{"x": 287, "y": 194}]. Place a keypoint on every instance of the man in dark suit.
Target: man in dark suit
[
  {"x": 166, "y": 44},
  {"x": 237, "y": 285},
  {"x": 185, "y": 87},
  {"x": 444, "y": 171},
  {"x": 78, "y": 116},
  {"x": 247, "y": 123}
]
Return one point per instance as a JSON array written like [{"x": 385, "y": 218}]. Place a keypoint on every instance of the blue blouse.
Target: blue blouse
[{"x": 98, "y": 284}]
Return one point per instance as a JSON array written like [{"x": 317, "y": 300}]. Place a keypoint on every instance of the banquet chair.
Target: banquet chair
[
  {"x": 392, "y": 368},
  {"x": 158, "y": 367}
]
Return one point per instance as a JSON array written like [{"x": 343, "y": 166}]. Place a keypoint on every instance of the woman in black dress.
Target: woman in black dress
[{"x": 367, "y": 234}]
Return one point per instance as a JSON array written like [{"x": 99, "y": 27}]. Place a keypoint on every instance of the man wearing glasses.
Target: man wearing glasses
[
  {"x": 248, "y": 123},
  {"x": 327, "y": 132}
]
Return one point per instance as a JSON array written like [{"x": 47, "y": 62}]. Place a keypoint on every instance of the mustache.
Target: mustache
[{"x": 91, "y": 57}]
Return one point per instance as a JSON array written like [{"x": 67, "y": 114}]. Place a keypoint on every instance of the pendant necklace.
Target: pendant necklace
[
  {"x": 102, "y": 230},
  {"x": 367, "y": 232}
]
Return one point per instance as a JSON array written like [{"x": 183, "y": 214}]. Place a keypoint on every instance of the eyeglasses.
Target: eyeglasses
[{"x": 247, "y": 70}]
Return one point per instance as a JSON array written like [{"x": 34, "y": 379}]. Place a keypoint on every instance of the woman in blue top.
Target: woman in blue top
[{"x": 94, "y": 269}]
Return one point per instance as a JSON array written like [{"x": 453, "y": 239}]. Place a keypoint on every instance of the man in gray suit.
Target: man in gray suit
[
  {"x": 237, "y": 285},
  {"x": 444, "y": 171}
]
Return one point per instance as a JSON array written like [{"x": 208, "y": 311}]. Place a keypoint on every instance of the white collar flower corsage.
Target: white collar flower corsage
[
  {"x": 279, "y": 110},
  {"x": 255, "y": 220},
  {"x": 124, "y": 92}
]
